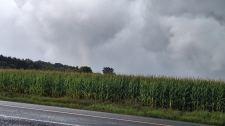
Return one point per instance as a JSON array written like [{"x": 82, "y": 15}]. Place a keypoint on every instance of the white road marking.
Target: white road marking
[
  {"x": 78, "y": 114},
  {"x": 14, "y": 117}
]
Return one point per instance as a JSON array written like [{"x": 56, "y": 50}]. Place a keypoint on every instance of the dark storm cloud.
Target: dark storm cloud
[
  {"x": 159, "y": 37},
  {"x": 208, "y": 8},
  {"x": 74, "y": 29}
]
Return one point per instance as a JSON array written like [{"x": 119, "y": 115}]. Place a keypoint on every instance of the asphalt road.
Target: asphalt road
[{"x": 21, "y": 114}]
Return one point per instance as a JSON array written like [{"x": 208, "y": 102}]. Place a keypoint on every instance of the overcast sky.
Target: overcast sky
[{"x": 180, "y": 38}]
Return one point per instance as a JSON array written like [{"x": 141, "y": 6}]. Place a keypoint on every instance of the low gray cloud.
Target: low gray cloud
[{"x": 148, "y": 37}]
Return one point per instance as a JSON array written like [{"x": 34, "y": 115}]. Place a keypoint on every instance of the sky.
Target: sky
[{"x": 176, "y": 38}]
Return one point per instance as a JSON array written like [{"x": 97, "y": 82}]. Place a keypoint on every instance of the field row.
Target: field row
[{"x": 157, "y": 92}]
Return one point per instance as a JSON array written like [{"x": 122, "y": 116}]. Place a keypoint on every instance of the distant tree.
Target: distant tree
[
  {"x": 75, "y": 69},
  {"x": 85, "y": 69},
  {"x": 31, "y": 66},
  {"x": 12, "y": 66},
  {"x": 49, "y": 68},
  {"x": 3, "y": 64},
  {"x": 108, "y": 70},
  {"x": 15, "y": 63},
  {"x": 58, "y": 65}
]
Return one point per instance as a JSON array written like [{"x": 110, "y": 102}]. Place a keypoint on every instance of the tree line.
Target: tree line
[{"x": 16, "y": 63}]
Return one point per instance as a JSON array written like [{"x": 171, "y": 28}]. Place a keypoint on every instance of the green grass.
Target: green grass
[{"x": 204, "y": 117}]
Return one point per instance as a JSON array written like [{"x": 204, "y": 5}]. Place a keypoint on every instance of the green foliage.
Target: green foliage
[
  {"x": 14, "y": 63},
  {"x": 155, "y": 92},
  {"x": 108, "y": 70},
  {"x": 85, "y": 69}
]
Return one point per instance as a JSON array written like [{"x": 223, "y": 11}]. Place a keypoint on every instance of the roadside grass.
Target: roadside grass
[{"x": 204, "y": 117}]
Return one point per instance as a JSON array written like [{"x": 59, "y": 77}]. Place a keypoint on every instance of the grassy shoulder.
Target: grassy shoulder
[{"x": 213, "y": 118}]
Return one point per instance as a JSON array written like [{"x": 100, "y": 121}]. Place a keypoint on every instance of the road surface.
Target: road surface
[{"x": 21, "y": 114}]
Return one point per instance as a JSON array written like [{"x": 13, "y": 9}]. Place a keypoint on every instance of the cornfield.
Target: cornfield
[{"x": 158, "y": 92}]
